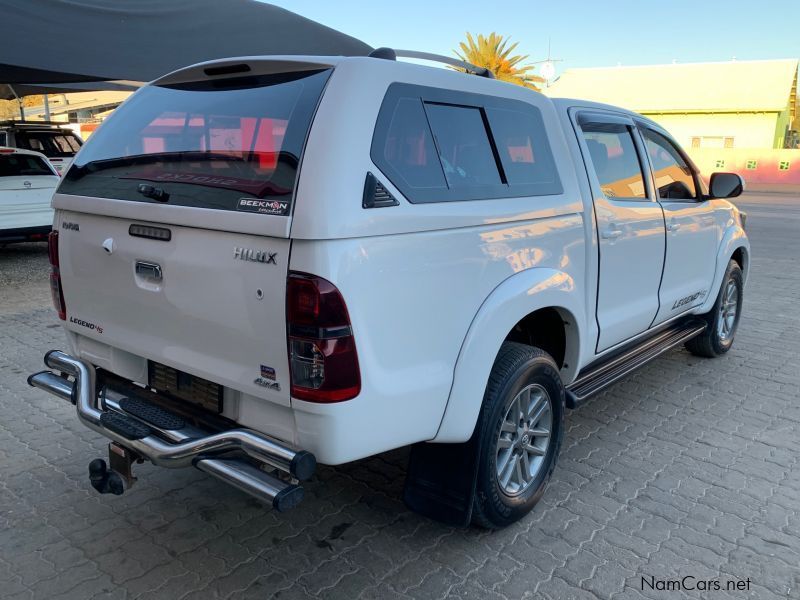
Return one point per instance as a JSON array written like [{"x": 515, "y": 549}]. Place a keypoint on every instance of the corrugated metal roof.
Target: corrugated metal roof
[{"x": 738, "y": 86}]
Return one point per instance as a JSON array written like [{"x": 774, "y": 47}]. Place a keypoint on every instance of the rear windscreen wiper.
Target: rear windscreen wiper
[{"x": 151, "y": 191}]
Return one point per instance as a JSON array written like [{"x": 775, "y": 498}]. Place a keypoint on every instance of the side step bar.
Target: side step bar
[
  {"x": 166, "y": 440},
  {"x": 603, "y": 375}
]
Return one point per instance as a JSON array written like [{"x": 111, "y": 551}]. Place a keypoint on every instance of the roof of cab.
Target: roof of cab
[
  {"x": 564, "y": 104},
  {"x": 12, "y": 150}
]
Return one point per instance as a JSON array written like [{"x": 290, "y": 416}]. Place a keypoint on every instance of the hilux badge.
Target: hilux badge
[{"x": 261, "y": 256}]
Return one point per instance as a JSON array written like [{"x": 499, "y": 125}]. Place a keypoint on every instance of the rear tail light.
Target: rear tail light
[
  {"x": 55, "y": 276},
  {"x": 322, "y": 350}
]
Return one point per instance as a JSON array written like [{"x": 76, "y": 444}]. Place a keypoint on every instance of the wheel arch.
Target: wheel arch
[
  {"x": 548, "y": 328},
  {"x": 742, "y": 258},
  {"x": 532, "y": 298},
  {"x": 734, "y": 246}
]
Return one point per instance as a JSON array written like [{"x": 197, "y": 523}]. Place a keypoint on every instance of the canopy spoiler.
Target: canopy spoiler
[{"x": 244, "y": 66}]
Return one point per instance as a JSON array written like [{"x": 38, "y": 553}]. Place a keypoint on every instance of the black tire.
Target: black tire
[
  {"x": 516, "y": 368},
  {"x": 712, "y": 343}
]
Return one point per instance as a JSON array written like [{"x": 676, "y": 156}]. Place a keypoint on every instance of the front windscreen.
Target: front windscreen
[{"x": 230, "y": 144}]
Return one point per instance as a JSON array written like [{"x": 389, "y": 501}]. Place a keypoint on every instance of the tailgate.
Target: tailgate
[
  {"x": 216, "y": 311},
  {"x": 211, "y": 156},
  {"x": 25, "y": 201},
  {"x": 25, "y": 208}
]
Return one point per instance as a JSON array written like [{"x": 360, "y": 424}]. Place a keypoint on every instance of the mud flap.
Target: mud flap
[{"x": 441, "y": 480}]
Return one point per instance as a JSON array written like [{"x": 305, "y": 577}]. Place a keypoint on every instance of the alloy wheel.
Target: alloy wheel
[
  {"x": 524, "y": 439},
  {"x": 728, "y": 310}
]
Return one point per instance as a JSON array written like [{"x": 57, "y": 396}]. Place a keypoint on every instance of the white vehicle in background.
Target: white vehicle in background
[
  {"x": 265, "y": 262},
  {"x": 55, "y": 140},
  {"x": 27, "y": 183}
]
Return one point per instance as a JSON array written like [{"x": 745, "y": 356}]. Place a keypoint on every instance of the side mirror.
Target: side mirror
[{"x": 725, "y": 185}]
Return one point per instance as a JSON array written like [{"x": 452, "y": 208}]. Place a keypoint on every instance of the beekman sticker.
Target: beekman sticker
[{"x": 264, "y": 207}]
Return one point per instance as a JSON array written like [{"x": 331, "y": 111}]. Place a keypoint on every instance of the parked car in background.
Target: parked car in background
[
  {"x": 264, "y": 262},
  {"x": 27, "y": 183},
  {"x": 57, "y": 142}
]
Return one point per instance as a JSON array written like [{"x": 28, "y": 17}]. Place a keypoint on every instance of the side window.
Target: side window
[
  {"x": 464, "y": 148},
  {"x": 615, "y": 160},
  {"x": 524, "y": 152},
  {"x": 674, "y": 178},
  {"x": 3, "y": 140},
  {"x": 408, "y": 147},
  {"x": 438, "y": 145}
]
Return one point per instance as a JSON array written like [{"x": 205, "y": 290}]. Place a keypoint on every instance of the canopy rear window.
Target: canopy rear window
[
  {"x": 53, "y": 144},
  {"x": 230, "y": 144}
]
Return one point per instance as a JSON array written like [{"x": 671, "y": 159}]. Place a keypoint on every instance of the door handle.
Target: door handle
[
  {"x": 673, "y": 225},
  {"x": 612, "y": 233},
  {"x": 149, "y": 270}
]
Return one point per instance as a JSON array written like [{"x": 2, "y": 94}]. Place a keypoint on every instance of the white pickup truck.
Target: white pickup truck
[
  {"x": 267, "y": 262},
  {"x": 27, "y": 183}
]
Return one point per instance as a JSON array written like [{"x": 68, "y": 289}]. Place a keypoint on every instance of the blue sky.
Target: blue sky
[{"x": 583, "y": 34}]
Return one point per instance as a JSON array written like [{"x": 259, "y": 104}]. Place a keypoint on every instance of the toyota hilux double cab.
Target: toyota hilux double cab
[{"x": 264, "y": 263}]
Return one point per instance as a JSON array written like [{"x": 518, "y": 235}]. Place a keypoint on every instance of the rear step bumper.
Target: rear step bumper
[{"x": 166, "y": 440}]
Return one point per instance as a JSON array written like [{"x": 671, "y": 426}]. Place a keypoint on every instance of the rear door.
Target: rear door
[
  {"x": 27, "y": 183},
  {"x": 630, "y": 226},
  {"x": 174, "y": 232},
  {"x": 692, "y": 229}
]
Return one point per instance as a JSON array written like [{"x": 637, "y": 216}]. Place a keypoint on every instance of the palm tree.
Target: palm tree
[{"x": 492, "y": 52}]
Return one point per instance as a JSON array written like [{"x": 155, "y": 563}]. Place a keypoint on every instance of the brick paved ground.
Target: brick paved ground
[{"x": 690, "y": 467}]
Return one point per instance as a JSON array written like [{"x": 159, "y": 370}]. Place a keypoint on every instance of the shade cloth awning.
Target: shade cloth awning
[{"x": 81, "y": 44}]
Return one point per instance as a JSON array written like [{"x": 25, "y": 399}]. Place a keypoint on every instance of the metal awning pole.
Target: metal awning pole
[
  {"x": 46, "y": 108},
  {"x": 19, "y": 101}
]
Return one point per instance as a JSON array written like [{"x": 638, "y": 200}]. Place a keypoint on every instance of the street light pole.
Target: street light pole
[{"x": 548, "y": 68}]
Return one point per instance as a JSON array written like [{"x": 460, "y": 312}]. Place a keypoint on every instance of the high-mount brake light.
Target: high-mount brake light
[
  {"x": 322, "y": 350},
  {"x": 55, "y": 276}
]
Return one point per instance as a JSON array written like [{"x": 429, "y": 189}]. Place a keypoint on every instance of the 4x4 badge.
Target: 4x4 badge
[{"x": 270, "y": 385}]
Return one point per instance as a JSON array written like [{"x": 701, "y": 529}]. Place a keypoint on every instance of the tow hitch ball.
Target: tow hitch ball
[{"x": 119, "y": 477}]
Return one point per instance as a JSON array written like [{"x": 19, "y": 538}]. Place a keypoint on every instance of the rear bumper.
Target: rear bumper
[
  {"x": 237, "y": 456},
  {"x": 25, "y": 234}
]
